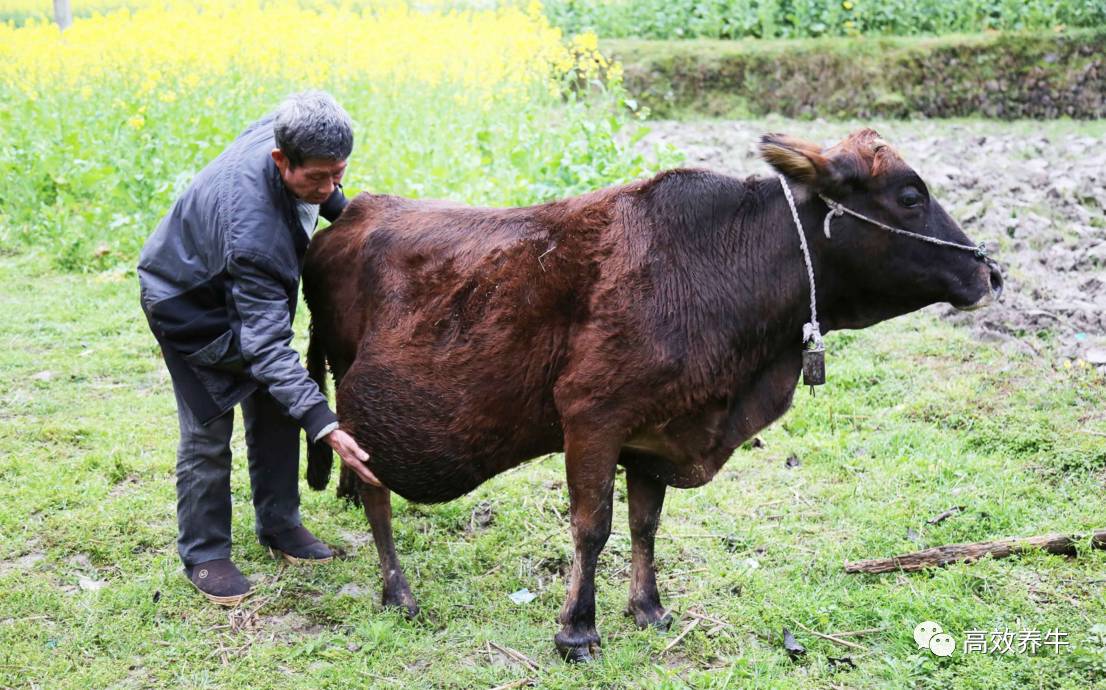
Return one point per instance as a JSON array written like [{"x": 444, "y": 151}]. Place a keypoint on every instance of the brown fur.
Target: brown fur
[{"x": 654, "y": 325}]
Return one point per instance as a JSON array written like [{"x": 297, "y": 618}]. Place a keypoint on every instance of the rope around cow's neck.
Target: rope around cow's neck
[{"x": 811, "y": 331}]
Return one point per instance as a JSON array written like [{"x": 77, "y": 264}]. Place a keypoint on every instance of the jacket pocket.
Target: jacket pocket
[{"x": 218, "y": 354}]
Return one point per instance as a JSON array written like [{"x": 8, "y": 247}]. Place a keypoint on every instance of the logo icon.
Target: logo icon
[
  {"x": 929, "y": 636},
  {"x": 942, "y": 644}
]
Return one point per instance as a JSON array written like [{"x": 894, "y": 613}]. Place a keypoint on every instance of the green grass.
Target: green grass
[
  {"x": 89, "y": 202},
  {"x": 915, "y": 419}
]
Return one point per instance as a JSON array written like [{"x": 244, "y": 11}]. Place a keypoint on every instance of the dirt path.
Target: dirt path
[{"x": 1036, "y": 194}]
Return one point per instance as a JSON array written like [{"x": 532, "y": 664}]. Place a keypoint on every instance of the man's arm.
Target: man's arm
[{"x": 266, "y": 340}]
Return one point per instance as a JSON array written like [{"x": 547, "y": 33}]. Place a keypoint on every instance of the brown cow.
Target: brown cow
[{"x": 656, "y": 325}]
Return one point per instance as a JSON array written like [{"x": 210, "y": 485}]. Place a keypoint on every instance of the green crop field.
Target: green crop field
[{"x": 675, "y": 19}]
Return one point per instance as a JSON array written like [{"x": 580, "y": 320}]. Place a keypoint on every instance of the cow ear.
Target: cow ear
[{"x": 797, "y": 159}]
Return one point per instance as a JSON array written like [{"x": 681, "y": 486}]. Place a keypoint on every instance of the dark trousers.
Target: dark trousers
[{"x": 203, "y": 476}]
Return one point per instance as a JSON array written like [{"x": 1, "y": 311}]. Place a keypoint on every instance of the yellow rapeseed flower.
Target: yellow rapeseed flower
[
  {"x": 587, "y": 41},
  {"x": 179, "y": 46}
]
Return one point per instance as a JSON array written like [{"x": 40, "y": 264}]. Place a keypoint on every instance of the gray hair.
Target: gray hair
[{"x": 311, "y": 124}]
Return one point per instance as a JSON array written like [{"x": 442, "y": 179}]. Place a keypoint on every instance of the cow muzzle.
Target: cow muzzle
[{"x": 992, "y": 274}]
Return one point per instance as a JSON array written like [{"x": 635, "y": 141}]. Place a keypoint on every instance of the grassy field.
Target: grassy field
[
  {"x": 917, "y": 418},
  {"x": 91, "y": 593}
]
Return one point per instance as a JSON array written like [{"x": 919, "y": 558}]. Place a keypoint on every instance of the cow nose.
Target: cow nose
[{"x": 996, "y": 279}]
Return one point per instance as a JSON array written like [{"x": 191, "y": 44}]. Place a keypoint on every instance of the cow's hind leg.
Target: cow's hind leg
[
  {"x": 378, "y": 509},
  {"x": 645, "y": 496},
  {"x": 590, "y": 470}
]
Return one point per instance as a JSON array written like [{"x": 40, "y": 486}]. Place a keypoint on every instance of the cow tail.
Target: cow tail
[{"x": 320, "y": 457}]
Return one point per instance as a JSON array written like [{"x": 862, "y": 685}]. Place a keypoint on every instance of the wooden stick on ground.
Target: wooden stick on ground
[
  {"x": 831, "y": 638},
  {"x": 689, "y": 628},
  {"x": 855, "y": 633},
  {"x": 952, "y": 553},
  {"x": 516, "y": 655},
  {"x": 706, "y": 617}
]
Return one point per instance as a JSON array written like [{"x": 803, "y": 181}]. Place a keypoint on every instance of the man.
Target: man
[{"x": 219, "y": 283}]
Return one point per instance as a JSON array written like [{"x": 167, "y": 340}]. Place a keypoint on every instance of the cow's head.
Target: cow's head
[{"x": 870, "y": 273}]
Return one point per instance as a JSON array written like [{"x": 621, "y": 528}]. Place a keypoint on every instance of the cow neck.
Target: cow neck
[{"x": 768, "y": 276}]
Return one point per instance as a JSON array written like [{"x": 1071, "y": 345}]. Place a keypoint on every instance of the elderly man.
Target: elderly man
[{"x": 219, "y": 282}]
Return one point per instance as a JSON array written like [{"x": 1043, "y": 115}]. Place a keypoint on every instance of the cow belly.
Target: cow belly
[
  {"x": 682, "y": 453},
  {"x": 431, "y": 439},
  {"x": 687, "y": 451}
]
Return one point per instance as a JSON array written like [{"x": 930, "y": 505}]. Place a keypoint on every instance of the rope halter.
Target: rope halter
[{"x": 837, "y": 210}]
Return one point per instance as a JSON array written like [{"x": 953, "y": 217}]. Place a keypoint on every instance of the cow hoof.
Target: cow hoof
[
  {"x": 407, "y": 605},
  {"x": 651, "y": 617},
  {"x": 662, "y": 622},
  {"x": 577, "y": 649},
  {"x": 578, "y": 654}
]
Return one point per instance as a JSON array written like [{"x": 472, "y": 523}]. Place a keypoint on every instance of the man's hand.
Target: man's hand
[{"x": 352, "y": 455}]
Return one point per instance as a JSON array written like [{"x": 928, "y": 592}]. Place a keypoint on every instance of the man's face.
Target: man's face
[{"x": 314, "y": 181}]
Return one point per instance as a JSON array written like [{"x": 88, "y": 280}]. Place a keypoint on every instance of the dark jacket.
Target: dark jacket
[{"x": 220, "y": 280}]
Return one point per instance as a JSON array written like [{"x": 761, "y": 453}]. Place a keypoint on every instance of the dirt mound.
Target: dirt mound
[{"x": 1036, "y": 194}]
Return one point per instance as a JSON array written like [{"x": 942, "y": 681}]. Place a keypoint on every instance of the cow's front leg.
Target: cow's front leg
[
  {"x": 645, "y": 496},
  {"x": 378, "y": 509},
  {"x": 590, "y": 471}
]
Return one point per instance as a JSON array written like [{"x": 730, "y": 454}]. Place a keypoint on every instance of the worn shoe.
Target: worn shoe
[
  {"x": 297, "y": 546},
  {"x": 220, "y": 581}
]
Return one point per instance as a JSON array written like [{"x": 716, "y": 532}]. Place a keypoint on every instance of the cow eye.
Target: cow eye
[{"x": 910, "y": 197}]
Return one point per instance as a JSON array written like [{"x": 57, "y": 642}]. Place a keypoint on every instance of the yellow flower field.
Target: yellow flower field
[
  {"x": 110, "y": 118},
  {"x": 179, "y": 45}
]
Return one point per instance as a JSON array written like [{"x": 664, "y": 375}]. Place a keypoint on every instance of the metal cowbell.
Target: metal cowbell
[{"x": 814, "y": 365}]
